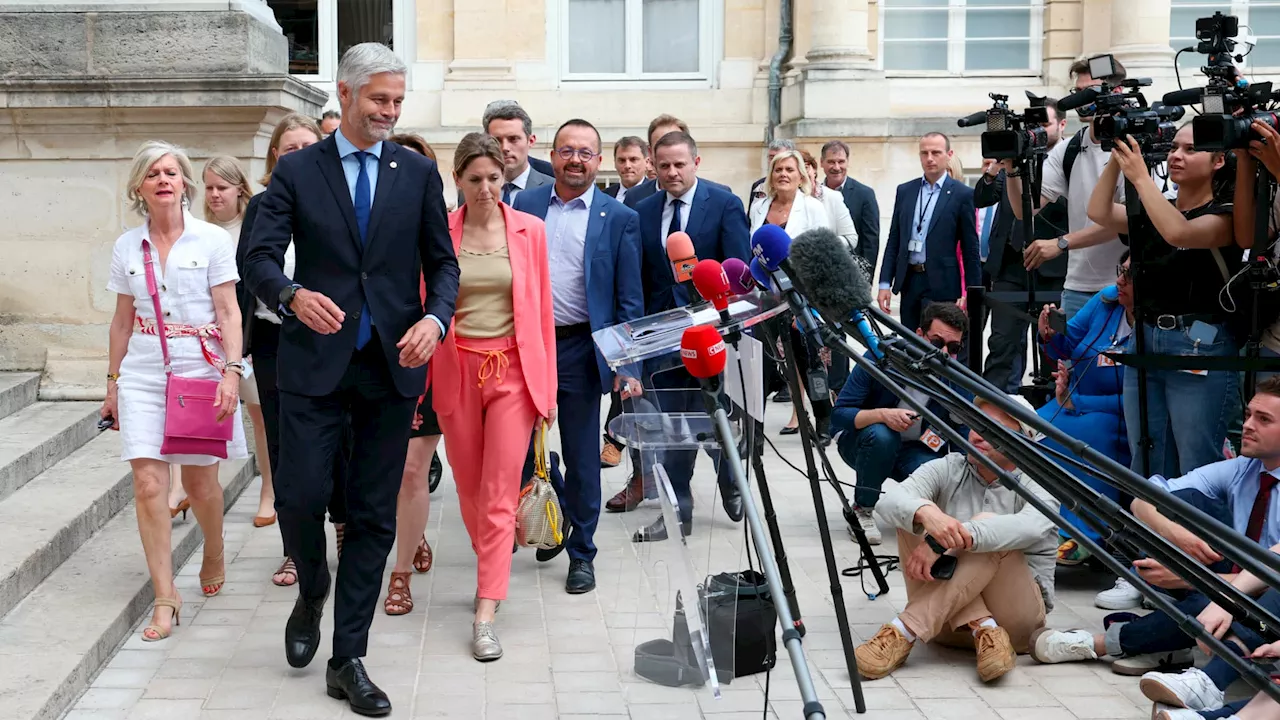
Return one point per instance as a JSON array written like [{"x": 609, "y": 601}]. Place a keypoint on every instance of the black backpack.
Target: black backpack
[{"x": 1052, "y": 220}]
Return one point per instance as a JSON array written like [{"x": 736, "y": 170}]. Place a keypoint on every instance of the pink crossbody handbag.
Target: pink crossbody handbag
[{"x": 191, "y": 424}]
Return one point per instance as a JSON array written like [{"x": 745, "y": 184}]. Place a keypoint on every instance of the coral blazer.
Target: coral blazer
[{"x": 534, "y": 323}]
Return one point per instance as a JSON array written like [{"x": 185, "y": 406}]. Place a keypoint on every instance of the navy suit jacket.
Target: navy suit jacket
[
  {"x": 612, "y": 258},
  {"x": 863, "y": 392},
  {"x": 650, "y": 187},
  {"x": 861, "y": 201},
  {"x": 717, "y": 224},
  {"x": 951, "y": 226},
  {"x": 408, "y": 239}
]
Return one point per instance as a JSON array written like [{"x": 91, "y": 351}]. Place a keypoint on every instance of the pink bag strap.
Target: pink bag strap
[{"x": 154, "y": 289}]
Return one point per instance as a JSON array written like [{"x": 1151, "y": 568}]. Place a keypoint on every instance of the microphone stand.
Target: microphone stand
[{"x": 711, "y": 390}]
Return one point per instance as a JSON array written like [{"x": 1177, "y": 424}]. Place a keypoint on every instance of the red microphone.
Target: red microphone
[
  {"x": 712, "y": 283},
  {"x": 703, "y": 352}
]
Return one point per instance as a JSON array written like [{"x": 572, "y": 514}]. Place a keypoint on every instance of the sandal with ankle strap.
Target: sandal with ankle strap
[
  {"x": 212, "y": 585},
  {"x": 399, "y": 598},
  {"x": 290, "y": 572},
  {"x": 423, "y": 558},
  {"x": 155, "y": 633}
]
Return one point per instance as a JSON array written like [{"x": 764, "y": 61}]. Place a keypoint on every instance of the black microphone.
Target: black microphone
[
  {"x": 836, "y": 284},
  {"x": 1188, "y": 96},
  {"x": 1078, "y": 99},
  {"x": 978, "y": 118}
]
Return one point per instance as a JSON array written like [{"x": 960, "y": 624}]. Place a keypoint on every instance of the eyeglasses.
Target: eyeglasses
[
  {"x": 1124, "y": 272},
  {"x": 953, "y": 348},
  {"x": 583, "y": 154}
]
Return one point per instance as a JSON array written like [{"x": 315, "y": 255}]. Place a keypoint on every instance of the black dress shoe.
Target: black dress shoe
[
  {"x": 302, "y": 631},
  {"x": 551, "y": 553},
  {"x": 582, "y": 577},
  {"x": 657, "y": 532},
  {"x": 731, "y": 499},
  {"x": 350, "y": 682}
]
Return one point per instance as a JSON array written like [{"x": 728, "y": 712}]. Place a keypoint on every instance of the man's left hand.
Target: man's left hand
[
  {"x": 419, "y": 344},
  {"x": 1158, "y": 575},
  {"x": 919, "y": 565},
  {"x": 627, "y": 387}
]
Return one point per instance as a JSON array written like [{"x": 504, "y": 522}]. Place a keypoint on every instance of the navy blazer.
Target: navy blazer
[
  {"x": 650, "y": 187},
  {"x": 865, "y": 211},
  {"x": 716, "y": 223},
  {"x": 611, "y": 256},
  {"x": 951, "y": 226},
  {"x": 863, "y": 392},
  {"x": 1007, "y": 229},
  {"x": 408, "y": 239}
]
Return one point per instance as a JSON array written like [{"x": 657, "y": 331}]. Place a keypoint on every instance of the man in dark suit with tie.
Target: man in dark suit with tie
[
  {"x": 594, "y": 242},
  {"x": 859, "y": 198},
  {"x": 368, "y": 224},
  {"x": 631, "y": 160},
  {"x": 933, "y": 223},
  {"x": 659, "y": 127},
  {"x": 717, "y": 224},
  {"x": 510, "y": 125}
]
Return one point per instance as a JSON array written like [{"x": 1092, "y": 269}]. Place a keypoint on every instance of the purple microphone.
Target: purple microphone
[{"x": 740, "y": 280}]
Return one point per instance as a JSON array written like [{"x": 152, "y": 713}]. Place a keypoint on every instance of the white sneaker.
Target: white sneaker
[
  {"x": 1166, "y": 712},
  {"x": 1191, "y": 689},
  {"x": 1120, "y": 597},
  {"x": 867, "y": 521},
  {"x": 1055, "y": 646}
]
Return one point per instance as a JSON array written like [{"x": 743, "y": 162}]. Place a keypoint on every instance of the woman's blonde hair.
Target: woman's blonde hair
[
  {"x": 473, "y": 147},
  {"x": 802, "y": 181},
  {"x": 228, "y": 168},
  {"x": 149, "y": 154},
  {"x": 955, "y": 169},
  {"x": 292, "y": 121}
]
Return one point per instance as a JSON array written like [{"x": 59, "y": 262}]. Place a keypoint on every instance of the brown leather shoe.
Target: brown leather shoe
[
  {"x": 995, "y": 652},
  {"x": 882, "y": 654},
  {"x": 610, "y": 456},
  {"x": 630, "y": 497}
]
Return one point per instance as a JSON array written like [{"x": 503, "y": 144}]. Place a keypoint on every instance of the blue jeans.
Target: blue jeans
[
  {"x": 876, "y": 453},
  {"x": 1186, "y": 413},
  {"x": 1073, "y": 300}
]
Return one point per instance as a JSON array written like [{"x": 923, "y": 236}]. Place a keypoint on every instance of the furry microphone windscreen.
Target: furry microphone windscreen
[{"x": 835, "y": 283}]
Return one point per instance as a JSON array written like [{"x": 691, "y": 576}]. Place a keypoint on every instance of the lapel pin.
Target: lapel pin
[
  {"x": 393, "y": 164},
  {"x": 601, "y": 213}
]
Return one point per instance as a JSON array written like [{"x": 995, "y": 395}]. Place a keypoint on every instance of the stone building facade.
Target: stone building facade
[{"x": 81, "y": 82}]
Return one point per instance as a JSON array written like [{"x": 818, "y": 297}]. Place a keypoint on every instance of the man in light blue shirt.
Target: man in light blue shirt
[{"x": 1245, "y": 488}]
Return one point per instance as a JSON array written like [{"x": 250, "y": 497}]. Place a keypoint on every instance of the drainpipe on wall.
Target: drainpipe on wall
[{"x": 775, "y": 71}]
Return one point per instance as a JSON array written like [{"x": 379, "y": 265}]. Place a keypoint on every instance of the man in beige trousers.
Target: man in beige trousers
[{"x": 1002, "y": 585}]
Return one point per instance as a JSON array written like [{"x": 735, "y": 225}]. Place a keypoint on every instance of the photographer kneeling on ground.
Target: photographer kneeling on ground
[
  {"x": 1001, "y": 584},
  {"x": 879, "y": 435}
]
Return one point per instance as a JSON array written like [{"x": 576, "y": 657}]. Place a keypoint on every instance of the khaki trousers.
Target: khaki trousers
[{"x": 995, "y": 585}]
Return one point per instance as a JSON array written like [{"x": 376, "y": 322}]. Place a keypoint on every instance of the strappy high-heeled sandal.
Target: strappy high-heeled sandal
[
  {"x": 423, "y": 558},
  {"x": 212, "y": 585},
  {"x": 339, "y": 529},
  {"x": 155, "y": 633},
  {"x": 399, "y": 599},
  {"x": 289, "y": 571}
]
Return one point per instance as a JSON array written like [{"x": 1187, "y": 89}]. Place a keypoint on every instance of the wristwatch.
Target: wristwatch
[
  {"x": 1062, "y": 242},
  {"x": 934, "y": 545},
  {"x": 286, "y": 295}
]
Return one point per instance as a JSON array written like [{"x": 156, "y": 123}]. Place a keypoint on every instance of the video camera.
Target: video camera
[
  {"x": 1011, "y": 135},
  {"x": 1126, "y": 112},
  {"x": 1230, "y": 103}
]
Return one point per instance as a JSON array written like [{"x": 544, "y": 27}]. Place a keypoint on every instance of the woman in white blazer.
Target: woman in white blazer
[
  {"x": 833, "y": 201},
  {"x": 789, "y": 203}
]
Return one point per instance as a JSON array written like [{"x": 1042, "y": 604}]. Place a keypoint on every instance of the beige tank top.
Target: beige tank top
[{"x": 485, "y": 308}]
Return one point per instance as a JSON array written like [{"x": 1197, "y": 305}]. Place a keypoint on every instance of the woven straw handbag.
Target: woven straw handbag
[{"x": 538, "y": 519}]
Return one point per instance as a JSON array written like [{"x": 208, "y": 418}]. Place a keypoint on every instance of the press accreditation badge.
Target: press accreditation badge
[
  {"x": 931, "y": 440},
  {"x": 1105, "y": 361}
]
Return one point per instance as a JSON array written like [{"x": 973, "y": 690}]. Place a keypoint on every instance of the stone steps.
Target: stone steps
[{"x": 73, "y": 578}]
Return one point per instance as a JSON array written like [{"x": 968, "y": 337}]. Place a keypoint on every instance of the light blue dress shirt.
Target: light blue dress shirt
[
  {"x": 566, "y": 246},
  {"x": 351, "y": 171},
  {"x": 1236, "y": 483},
  {"x": 922, "y": 217}
]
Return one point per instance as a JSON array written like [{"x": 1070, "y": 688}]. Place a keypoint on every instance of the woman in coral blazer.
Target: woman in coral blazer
[{"x": 494, "y": 375}]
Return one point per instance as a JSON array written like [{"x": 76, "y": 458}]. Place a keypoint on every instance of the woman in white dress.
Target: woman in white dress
[{"x": 194, "y": 265}]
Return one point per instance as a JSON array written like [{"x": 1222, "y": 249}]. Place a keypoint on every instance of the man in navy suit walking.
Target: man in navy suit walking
[
  {"x": 594, "y": 243},
  {"x": 368, "y": 222},
  {"x": 933, "y": 217},
  {"x": 714, "y": 219}
]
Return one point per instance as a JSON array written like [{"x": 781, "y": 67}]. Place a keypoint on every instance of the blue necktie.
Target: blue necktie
[
  {"x": 364, "y": 206},
  {"x": 507, "y": 189},
  {"x": 681, "y": 295},
  {"x": 985, "y": 245}
]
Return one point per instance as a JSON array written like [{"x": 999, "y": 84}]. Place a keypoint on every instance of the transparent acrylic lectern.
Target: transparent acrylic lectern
[{"x": 676, "y": 599}]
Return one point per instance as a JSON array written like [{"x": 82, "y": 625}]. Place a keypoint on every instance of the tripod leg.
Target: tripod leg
[{"x": 775, "y": 534}]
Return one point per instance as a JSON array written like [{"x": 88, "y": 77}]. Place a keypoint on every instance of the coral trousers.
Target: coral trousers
[{"x": 487, "y": 440}]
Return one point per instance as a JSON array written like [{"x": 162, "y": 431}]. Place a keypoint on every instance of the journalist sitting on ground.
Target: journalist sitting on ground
[
  {"x": 1087, "y": 402},
  {"x": 1177, "y": 280},
  {"x": 1002, "y": 583},
  {"x": 1239, "y": 492},
  {"x": 877, "y": 434}
]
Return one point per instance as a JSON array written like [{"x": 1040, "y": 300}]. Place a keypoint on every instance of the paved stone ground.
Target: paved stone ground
[{"x": 571, "y": 656}]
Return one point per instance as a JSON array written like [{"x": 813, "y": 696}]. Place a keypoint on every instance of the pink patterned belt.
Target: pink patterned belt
[{"x": 206, "y": 333}]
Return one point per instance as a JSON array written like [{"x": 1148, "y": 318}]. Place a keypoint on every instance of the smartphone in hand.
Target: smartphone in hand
[
  {"x": 944, "y": 567},
  {"x": 1058, "y": 321}
]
